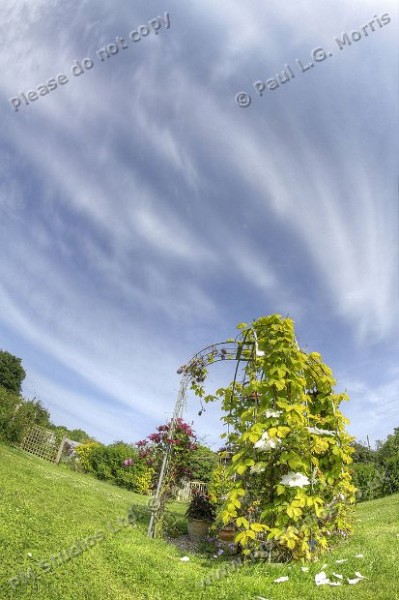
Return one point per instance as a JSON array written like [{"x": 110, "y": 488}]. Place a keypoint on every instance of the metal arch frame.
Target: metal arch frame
[{"x": 237, "y": 349}]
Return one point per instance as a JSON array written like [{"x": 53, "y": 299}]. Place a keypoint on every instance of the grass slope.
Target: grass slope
[{"x": 45, "y": 510}]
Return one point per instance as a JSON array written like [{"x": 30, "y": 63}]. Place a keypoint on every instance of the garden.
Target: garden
[{"x": 272, "y": 514}]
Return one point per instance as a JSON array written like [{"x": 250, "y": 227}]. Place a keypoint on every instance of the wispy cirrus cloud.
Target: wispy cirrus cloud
[{"x": 144, "y": 213}]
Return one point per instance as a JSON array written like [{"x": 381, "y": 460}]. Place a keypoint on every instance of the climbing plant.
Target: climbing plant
[{"x": 290, "y": 486}]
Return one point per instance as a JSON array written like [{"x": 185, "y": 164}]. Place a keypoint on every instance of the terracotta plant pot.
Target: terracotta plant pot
[
  {"x": 227, "y": 534},
  {"x": 198, "y": 529}
]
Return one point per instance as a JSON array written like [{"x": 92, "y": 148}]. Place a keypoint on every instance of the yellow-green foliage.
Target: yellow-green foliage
[
  {"x": 220, "y": 483},
  {"x": 290, "y": 480},
  {"x": 84, "y": 453},
  {"x": 143, "y": 480}
]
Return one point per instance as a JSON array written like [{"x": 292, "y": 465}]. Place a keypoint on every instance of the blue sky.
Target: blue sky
[{"x": 144, "y": 213}]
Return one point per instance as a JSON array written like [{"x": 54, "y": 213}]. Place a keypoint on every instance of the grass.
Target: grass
[{"x": 45, "y": 510}]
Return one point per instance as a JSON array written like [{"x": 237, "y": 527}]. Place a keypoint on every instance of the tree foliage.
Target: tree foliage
[
  {"x": 17, "y": 415},
  {"x": 12, "y": 373},
  {"x": 376, "y": 472}
]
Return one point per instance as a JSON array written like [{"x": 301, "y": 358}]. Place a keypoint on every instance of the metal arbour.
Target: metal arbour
[{"x": 240, "y": 349}]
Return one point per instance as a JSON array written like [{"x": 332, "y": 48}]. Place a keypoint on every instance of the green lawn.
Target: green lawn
[{"x": 45, "y": 510}]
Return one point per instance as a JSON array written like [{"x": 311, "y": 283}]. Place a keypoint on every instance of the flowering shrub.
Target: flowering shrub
[
  {"x": 85, "y": 452},
  {"x": 180, "y": 441},
  {"x": 290, "y": 480},
  {"x": 110, "y": 463}
]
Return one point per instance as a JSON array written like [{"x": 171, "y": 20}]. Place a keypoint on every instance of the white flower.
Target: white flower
[
  {"x": 260, "y": 353},
  {"x": 318, "y": 431},
  {"x": 257, "y": 469},
  {"x": 266, "y": 442},
  {"x": 305, "y": 569},
  {"x": 295, "y": 480},
  {"x": 273, "y": 413},
  {"x": 280, "y": 580},
  {"x": 185, "y": 559}
]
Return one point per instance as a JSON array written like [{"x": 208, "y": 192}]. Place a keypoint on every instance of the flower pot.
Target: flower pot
[
  {"x": 227, "y": 534},
  {"x": 197, "y": 528}
]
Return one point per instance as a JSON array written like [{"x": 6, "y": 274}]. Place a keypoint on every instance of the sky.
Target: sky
[{"x": 170, "y": 169}]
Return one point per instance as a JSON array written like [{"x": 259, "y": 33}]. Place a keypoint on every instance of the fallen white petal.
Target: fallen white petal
[
  {"x": 30, "y": 554},
  {"x": 305, "y": 569},
  {"x": 341, "y": 560},
  {"x": 324, "y": 566},
  {"x": 353, "y": 581},
  {"x": 321, "y": 578},
  {"x": 280, "y": 580},
  {"x": 338, "y": 575},
  {"x": 359, "y": 555},
  {"x": 359, "y": 575},
  {"x": 185, "y": 558}
]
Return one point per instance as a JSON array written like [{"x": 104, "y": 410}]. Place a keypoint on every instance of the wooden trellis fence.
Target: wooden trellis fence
[{"x": 43, "y": 443}]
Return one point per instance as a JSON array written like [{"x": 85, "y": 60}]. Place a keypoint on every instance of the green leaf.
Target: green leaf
[
  {"x": 242, "y": 522},
  {"x": 280, "y": 490},
  {"x": 241, "y": 468},
  {"x": 257, "y": 527}
]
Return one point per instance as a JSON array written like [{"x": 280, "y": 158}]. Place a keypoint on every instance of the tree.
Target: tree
[
  {"x": 12, "y": 373},
  {"x": 363, "y": 454},
  {"x": 202, "y": 463},
  {"x": 79, "y": 435},
  {"x": 390, "y": 448},
  {"x": 388, "y": 457}
]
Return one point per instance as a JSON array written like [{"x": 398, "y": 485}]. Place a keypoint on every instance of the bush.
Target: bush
[
  {"x": 392, "y": 475},
  {"x": 106, "y": 462},
  {"x": 370, "y": 481},
  {"x": 18, "y": 415},
  {"x": 9, "y": 403},
  {"x": 85, "y": 452}
]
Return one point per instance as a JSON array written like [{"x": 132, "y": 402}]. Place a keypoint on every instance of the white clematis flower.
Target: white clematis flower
[
  {"x": 318, "y": 431},
  {"x": 273, "y": 413},
  {"x": 266, "y": 442},
  {"x": 295, "y": 480}
]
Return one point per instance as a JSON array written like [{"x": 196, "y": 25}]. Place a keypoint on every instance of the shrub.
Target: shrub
[
  {"x": 391, "y": 475},
  {"x": 18, "y": 415},
  {"x": 85, "y": 452},
  {"x": 106, "y": 462},
  {"x": 9, "y": 403},
  {"x": 369, "y": 480}
]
